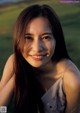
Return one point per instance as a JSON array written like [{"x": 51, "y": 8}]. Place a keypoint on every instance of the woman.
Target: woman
[{"x": 40, "y": 73}]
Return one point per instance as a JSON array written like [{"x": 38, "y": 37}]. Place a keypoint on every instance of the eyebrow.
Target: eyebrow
[
  {"x": 46, "y": 34},
  {"x": 28, "y": 34},
  {"x": 41, "y": 34}
]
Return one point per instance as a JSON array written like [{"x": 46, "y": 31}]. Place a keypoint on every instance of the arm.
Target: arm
[
  {"x": 7, "y": 91},
  {"x": 7, "y": 82},
  {"x": 7, "y": 72},
  {"x": 72, "y": 89}
]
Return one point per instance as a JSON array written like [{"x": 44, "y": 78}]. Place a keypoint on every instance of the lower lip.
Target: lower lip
[{"x": 37, "y": 57}]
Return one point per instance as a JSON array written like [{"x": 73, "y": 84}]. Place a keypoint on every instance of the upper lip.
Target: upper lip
[{"x": 38, "y": 55}]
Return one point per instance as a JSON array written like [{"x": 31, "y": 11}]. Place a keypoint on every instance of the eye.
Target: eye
[
  {"x": 46, "y": 38},
  {"x": 28, "y": 38}
]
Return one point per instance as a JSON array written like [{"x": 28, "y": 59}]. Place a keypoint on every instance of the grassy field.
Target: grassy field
[{"x": 69, "y": 15}]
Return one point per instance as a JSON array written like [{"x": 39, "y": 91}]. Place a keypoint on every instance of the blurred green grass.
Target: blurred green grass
[{"x": 69, "y": 15}]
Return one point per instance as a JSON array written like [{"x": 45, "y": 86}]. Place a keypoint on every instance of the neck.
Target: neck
[{"x": 49, "y": 68}]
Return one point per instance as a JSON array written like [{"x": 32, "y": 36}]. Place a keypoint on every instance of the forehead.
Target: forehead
[{"x": 39, "y": 24}]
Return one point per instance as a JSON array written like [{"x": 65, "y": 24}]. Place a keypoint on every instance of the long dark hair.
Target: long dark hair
[{"x": 28, "y": 91}]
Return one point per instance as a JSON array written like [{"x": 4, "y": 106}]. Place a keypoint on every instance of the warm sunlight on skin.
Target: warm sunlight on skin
[{"x": 39, "y": 43}]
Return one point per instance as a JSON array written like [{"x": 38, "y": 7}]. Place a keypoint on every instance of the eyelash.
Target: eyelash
[
  {"x": 47, "y": 37},
  {"x": 42, "y": 38},
  {"x": 28, "y": 38}
]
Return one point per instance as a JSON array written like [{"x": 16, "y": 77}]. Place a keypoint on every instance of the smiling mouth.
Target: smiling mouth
[{"x": 38, "y": 57}]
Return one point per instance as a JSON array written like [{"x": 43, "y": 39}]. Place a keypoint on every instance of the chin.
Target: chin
[{"x": 37, "y": 65}]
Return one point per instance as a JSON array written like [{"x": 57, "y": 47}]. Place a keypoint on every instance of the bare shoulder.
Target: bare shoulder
[
  {"x": 11, "y": 57},
  {"x": 8, "y": 71},
  {"x": 72, "y": 74},
  {"x": 10, "y": 61},
  {"x": 72, "y": 87}
]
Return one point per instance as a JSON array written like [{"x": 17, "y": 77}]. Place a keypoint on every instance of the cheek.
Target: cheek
[
  {"x": 51, "y": 46},
  {"x": 24, "y": 51},
  {"x": 26, "y": 48}
]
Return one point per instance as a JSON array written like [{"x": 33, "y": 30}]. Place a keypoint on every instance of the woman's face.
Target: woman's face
[{"x": 39, "y": 44}]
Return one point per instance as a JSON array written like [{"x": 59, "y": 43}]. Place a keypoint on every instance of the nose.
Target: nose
[{"x": 37, "y": 46}]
